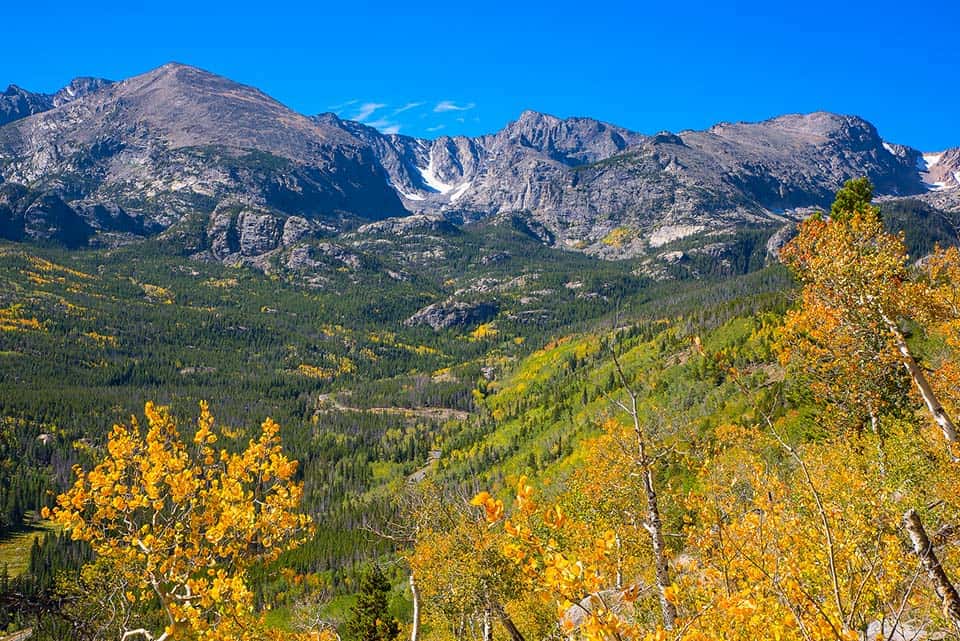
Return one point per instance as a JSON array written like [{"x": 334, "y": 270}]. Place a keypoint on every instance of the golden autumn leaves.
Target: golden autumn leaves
[
  {"x": 755, "y": 557},
  {"x": 759, "y": 547},
  {"x": 847, "y": 337},
  {"x": 780, "y": 535},
  {"x": 492, "y": 507},
  {"x": 532, "y": 535},
  {"x": 181, "y": 523}
]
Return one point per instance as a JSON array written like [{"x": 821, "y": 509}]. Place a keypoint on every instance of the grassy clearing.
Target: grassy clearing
[{"x": 15, "y": 546}]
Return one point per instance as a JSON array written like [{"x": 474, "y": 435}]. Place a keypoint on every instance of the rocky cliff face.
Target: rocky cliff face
[
  {"x": 17, "y": 103},
  {"x": 136, "y": 157},
  {"x": 940, "y": 172},
  {"x": 612, "y": 192},
  {"x": 179, "y": 140}
]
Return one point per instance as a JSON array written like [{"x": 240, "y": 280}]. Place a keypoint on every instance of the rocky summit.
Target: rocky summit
[
  {"x": 177, "y": 147},
  {"x": 16, "y": 103}
]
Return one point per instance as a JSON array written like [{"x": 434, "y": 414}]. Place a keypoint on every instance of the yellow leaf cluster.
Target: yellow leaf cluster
[
  {"x": 13, "y": 320},
  {"x": 181, "y": 523},
  {"x": 484, "y": 331}
]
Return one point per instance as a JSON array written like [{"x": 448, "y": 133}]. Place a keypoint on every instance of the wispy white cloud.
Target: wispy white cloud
[
  {"x": 449, "y": 105},
  {"x": 385, "y": 126},
  {"x": 342, "y": 105},
  {"x": 408, "y": 107},
  {"x": 366, "y": 110},
  {"x": 436, "y": 128}
]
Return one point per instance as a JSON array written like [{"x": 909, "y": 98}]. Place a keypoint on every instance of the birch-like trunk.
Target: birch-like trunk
[
  {"x": 512, "y": 630},
  {"x": 881, "y": 454},
  {"x": 929, "y": 397},
  {"x": 652, "y": 524},
  {"x": 655, "y": 527},
  {"x": 924, "y": 551},
  {"x": 415, "y": 627},
  {"x": 619, "y": 562}
]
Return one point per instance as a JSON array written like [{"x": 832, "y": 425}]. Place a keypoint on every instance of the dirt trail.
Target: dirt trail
[{"x": 328, "y": 402}]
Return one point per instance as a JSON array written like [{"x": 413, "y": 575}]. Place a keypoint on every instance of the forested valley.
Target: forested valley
[{"x": 765, "y": 449}]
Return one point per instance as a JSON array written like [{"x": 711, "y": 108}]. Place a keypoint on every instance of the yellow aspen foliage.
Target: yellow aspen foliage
[
  {"x": 566, "y": 563},
  {"x": 813, "y": 550},
  {"x": 941, "y": 316},
  {"x": 857, "y": 292},
  {"x": 772, "y": 549},
  {"x": 181, "y": 522},
  {"x": 466, "y": 580},
  {"x": 839, "y": 338},
  {"x": 13, "y": 320},
  {"x": 483, "y": 331}
]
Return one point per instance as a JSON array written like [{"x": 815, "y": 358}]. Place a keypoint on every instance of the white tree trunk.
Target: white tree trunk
[
  {"x": 655, "y": 527},
  {"x": 929, "y": 397},
  {"x": 881, "y": 454},
  {"x": 415, "y": 628},
  {"x": 619, "y": 563},
  {"x": 941, "y": 583}
]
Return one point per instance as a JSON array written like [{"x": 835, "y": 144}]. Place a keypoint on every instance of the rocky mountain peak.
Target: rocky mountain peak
[
  {"x": 571, "y": 141},
  {"x": 17, "y": 103},
  {"x": 666, "y": 138},
  {"x": 14, "y": 90},
  {"x": 531, "y": 118},
  {"x": 78, "y": 88},
  {"x": 174, "y": 74},
  {"x": 824, "y": 124},
  {"x": 180, "y": 140},
  {"x": 185, "y": 106},
  {"x": 328, "y": 118}
]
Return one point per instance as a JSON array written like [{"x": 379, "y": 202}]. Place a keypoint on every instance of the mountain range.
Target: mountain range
[{"x": 236, "y": 176}]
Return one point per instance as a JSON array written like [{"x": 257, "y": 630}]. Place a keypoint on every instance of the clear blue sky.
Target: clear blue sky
[{"x": 470, "y": 67}]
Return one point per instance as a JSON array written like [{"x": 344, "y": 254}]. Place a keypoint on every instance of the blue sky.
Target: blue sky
[{"x": 463, "y": 67}]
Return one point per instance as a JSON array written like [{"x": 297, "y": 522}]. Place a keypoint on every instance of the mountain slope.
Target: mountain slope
[
  {"x": 179, "y": 147},
  {"x": 178, "y": 140},
  {"x": 583, "y": 179}
]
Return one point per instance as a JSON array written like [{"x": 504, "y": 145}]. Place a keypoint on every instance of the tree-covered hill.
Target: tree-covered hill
[{"x": 387, "y": 414}]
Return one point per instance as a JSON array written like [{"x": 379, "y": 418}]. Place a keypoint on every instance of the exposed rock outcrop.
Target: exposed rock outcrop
[{"x": 453, "y": 314}]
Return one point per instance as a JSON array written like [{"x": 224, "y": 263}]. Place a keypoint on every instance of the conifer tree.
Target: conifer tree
[{"x": 370, "y": 619}]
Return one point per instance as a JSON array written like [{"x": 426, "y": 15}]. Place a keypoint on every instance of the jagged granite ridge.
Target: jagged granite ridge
[{"x": 139, "y": 156}]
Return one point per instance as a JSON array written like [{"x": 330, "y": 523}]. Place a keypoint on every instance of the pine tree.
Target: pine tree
[
  {"x": 855, "y": 195},
  {"x": 370, "y": 619}
]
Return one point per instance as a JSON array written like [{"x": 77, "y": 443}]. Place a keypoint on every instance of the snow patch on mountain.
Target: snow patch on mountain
[
  {"x": 431, "y": 179},
  {"x": 926, "y": 161},
  {"x": 403, "y": 194}
]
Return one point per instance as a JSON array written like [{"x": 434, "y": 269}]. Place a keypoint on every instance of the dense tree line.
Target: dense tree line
[{"x": 89, "y": 338}]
